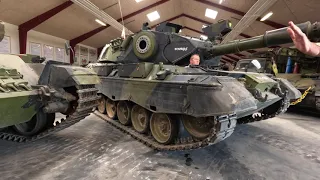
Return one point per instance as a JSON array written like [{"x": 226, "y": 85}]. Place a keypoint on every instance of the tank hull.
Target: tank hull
[
  {"x": 186, "y": 95},
  {"x": 182, "y": 98}
]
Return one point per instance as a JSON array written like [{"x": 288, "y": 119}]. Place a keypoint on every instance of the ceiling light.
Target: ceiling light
[
  {"x": 266, "y": 16},
  {"x": 203, "y": 37},
  {"x": 211, "y": 13},
  {"x": 138, "y": 0},
  {"x": 153, "y": 16},
  {"x": 100, "y": 22},
  {"x": 180, "y": 30}
]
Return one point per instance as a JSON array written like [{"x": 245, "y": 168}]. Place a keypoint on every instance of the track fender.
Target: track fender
[
  {"x": 293, "y": 93},
  {"x": 59, "y": 75}
]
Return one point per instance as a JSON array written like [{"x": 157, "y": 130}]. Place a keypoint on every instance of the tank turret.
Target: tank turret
[{"x": 165, "y": 45}]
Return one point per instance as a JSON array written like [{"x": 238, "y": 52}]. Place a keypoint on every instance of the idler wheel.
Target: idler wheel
[
  {"x": 111, "y": 108},
  {"x": 140, "y": 118},
  {"x": 102, "y": 105},
  {"x": 163, "y": 128},
  {"x": 199, "y": 128},
  {"x": 35, "y": 125},
  {"x": 124, "y": 112}
]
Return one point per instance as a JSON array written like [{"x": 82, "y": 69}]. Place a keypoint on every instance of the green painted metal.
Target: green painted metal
[{"x": 14, "y": 94}]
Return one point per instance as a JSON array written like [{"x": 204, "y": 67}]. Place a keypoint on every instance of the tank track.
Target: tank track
[
  {"x": 226, "y": 125},
  {"x": 86, "y": 102},
  {"x": 285, "y": 103}
]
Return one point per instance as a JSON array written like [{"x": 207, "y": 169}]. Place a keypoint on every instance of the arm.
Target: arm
[{"x": 302, "y": 42}]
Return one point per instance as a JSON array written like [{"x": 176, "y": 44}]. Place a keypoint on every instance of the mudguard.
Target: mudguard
[{"x": 293, "y": 93}]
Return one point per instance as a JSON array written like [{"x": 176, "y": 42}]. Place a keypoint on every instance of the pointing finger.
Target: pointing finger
[
  {"x": 295, "y": 28},
  {"x": 291, "y": 33}
]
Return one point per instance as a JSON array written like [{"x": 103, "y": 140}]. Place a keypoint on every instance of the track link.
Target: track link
[
  {"x": 285, "y": 103},
  {"x": 87, "y": 101},
  {"x": 224, "y": 124}
]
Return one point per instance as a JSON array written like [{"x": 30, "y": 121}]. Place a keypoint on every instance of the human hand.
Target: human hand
[{"x": 301, "y": 41}]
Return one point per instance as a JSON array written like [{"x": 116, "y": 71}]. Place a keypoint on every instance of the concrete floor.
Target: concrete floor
[{"x": 280, "y": 148}]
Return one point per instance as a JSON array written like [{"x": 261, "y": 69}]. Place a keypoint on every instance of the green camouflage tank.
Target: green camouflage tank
[{"x": 151, "y": 92}]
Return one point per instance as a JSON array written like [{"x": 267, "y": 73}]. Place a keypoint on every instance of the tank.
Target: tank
[
  {"x": 33, "y": 90},
  {"x": 150, "y": 92},
  {"x": 304, "y": 73}
]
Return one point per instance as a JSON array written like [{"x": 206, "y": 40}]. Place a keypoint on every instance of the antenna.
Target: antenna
[{"x": 123, "y": 33}]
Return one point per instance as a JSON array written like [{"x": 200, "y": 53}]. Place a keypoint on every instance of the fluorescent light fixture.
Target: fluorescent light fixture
[
  {"x": 153, "y": 16},
  {"x": 211, "y": 13},
  {"x": 266, "y": 16},
  {"x": 100, "y": 22},
  {"x": 138, "y": 1},
  {"x": 203, "y": 37}
]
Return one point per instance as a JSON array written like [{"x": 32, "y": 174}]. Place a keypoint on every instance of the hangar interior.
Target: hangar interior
[{"x": 90, "y": 146}]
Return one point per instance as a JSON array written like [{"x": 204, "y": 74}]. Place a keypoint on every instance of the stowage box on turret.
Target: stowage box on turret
[{"x": 152, "y": 94}]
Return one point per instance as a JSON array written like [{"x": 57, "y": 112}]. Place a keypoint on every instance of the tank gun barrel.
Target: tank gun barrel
[{"x": 270, "y": 38}]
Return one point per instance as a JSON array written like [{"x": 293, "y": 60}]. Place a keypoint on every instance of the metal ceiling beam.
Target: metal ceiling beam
[
  {"x": 231, "y": 57},
  {"x": 245, "y": 35},
  {"x": 144, "y": 9},
  {"x": 88, "y": 6},
  {"x": 85, "y": 36},
  {"x": 240, "y": 55},
  {"x": 168, "y": 20},
  {"x": 75, "y": 41},
  {"x": 34, "y": 22},
  {"x": 207, "y": 22},
  {"x": 246, "y": 21},
  {"x": 251, "y": 51},
  {"x": 194, "y": 30},
  {"x": 226, "y": 60},
  {"x": 240, "y": 13}
]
